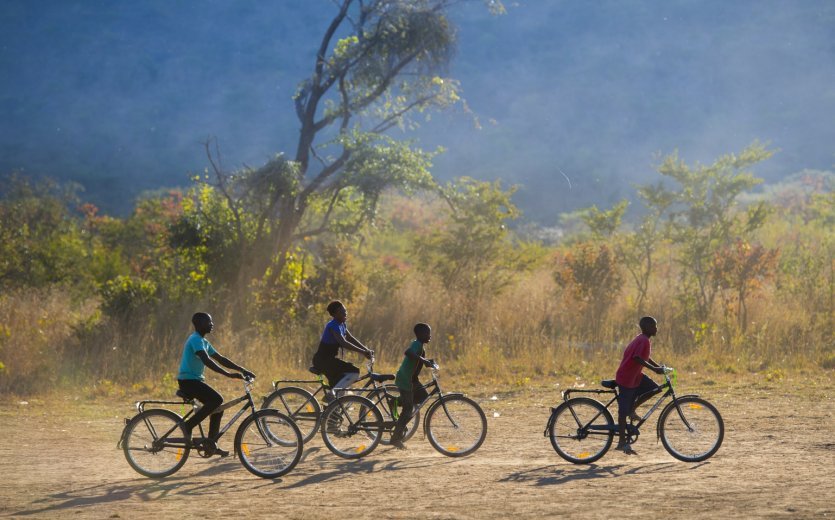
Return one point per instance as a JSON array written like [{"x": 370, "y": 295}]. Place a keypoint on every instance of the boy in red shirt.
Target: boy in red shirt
[{"x": 634, "y": 387}]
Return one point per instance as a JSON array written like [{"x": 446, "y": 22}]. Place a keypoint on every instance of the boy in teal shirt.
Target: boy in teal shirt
[
  {"x": 198, "y": 354},
  {"x": 412, "y": 392}
]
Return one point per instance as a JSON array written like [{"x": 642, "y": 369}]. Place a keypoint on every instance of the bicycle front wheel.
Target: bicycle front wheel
[
  {"x": 269, "y": 443},
  {"x": 456, "y": 425},
  {"x": 581, "y": 430},
  {"x": 691, "y": 429},
  {"x": 300, "y": 405},
  {"x": 154, "y": 443},
  {"x": 352, "y": 426}
]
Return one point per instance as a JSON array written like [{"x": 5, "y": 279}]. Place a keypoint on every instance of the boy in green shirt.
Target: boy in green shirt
[{"x": 412, "y": 392}]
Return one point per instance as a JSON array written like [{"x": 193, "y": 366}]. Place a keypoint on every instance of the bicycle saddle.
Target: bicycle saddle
[
  {"x": 381, "y": 377},
  {"x": 315, "y": 371},
  {"x": 182, "y": 395},
  {"x": 609, "y": 383}
]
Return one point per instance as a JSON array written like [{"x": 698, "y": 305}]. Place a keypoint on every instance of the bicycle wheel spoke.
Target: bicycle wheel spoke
[
  {"x": 351, "y": 426},
  {"x": 581, "y": 431},
  {"x": 457, "y": 426},
  {"x": 693, "y": 430},
  {"x": 300, "y": 405},
  {"x": 269, "y": 444},
  {"x": 146, "y": 452}
]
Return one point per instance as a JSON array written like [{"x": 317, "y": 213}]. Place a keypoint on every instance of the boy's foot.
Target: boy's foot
[
  {"x": 634, "y": 417},
  {"x": 221, "y": 453},
  {"x": 398, "y": 443},
  {"x": 626, "y": 448}
]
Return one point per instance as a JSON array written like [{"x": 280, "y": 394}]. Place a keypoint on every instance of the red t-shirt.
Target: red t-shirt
[{"x": 629, "y": 372}]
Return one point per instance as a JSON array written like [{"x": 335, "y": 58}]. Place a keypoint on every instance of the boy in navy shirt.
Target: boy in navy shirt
[
  {"x": 634, "y": 387},
  {"x": 412, "y": 392},
  {"x": 340, "y": 374},
  {"x": 198, "y": 354}
]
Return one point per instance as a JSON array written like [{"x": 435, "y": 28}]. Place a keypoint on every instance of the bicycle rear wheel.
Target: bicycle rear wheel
[
  {"x": 581, "y": 430},
  {"x": 269, "y": 443},
  {"x": 145, "y": 449},
  {"x": 300, "y": 405},
  {"x": 352, "y": 426},
  {"x": 691, "y": 429},
  {"x": 456, "y": 425},
  {"x": 385, "y": 401}
]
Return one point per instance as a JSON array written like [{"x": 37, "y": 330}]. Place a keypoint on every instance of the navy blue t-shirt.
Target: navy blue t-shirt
[{"x": 328, "y": 345}]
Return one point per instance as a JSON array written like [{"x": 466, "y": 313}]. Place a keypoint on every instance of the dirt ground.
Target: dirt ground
[{"x": 58, "y": 458}]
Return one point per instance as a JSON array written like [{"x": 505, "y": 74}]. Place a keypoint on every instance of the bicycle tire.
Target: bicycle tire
[
  {"x": 386, "y": 408},
  {"x": 268, "y": 443},
  {"x": 697, "y": 443},
  {"x": 569, "y": 432},
  {"x": 456, "y": 425},
  {"x": 346, "y": 428},
  {"x": 138, "y": 440},
  {"x": 300, "y": 405}
]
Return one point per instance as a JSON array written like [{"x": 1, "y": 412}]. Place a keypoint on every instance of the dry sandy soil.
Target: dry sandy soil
[{"x": 58, "y": 458}]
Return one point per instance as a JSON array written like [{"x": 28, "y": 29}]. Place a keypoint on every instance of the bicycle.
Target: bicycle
[
  {"x": 359, "y": 426},
  {"x": 304, "y": 408},
  {"x": 581, "y": 429},
  {"x": 268, "y": 443}
]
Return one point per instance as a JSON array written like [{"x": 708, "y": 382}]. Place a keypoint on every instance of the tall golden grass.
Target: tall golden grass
[{"x": 532, "y": 330}]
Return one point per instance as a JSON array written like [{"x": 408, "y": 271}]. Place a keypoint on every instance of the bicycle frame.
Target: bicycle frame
[
  {"x": 589, "y": 428},
  {"x": 435, "y": 391},
  {"x": 246, "y": 399}
]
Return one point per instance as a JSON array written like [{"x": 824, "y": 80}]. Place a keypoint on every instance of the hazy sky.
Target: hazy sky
[{"x": 119, "y": 95}]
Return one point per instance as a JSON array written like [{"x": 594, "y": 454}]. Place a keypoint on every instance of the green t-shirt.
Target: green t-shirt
[{"x": 410, "y": 368}]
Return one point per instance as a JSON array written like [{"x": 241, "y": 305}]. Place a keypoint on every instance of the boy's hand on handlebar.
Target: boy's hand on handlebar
[
  {"x": 429, "y": 363},
  {"x": 235, "y": 375},
  {"x": 369, "y": 354},
  {"x": 247, "y": 374}
]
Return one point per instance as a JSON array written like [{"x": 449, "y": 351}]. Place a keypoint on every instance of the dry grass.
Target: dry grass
[{"x": 531, "y": 332}]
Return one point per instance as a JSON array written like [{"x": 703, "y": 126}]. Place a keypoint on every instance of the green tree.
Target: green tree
[
  {"x": 378, "y": 66},
  {"x": 704, "y": 217},
  {"x": 473, "y": 253}
]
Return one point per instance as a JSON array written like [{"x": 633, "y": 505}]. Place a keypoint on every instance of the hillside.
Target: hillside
[{"x": 574, "y": 98}]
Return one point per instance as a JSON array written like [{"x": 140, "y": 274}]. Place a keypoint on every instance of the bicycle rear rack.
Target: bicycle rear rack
[{"x": 566, "y": 394}]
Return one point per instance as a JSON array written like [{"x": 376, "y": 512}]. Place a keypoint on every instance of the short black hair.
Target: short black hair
[
  {"x": 646, "y": 321},
  {"x": 200, "y": 317},
  {"x": 422, "y": 327},
  {"x": 334, "y": 306}
]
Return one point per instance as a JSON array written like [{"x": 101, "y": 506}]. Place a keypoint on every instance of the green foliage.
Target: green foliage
[
  {"x": 703, "y": 216},
  {"x": 41, "y": 242},
  {"x": 125, "y": 295},
  {"x": 474, "y": 253}
]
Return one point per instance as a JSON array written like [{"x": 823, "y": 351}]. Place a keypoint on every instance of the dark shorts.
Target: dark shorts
[
  {"x": 333, "y": 367},
  {"x": 627, "y": 396}
]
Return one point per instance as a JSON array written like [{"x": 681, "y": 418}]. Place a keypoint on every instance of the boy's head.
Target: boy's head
[
  {"x": 423, "y": 332},
  {"x": 202, "y": 322},
  {"x": 338, "y": 311},
  {"x": 648, "y": 326}
]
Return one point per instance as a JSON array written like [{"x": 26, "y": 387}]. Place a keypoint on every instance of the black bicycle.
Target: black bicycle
[
  {"x": 303, "y": 405},
  {"x": 582, "y": 429},
  {"x": 354, "y": 424},
  {"x": 268, "y": 443}
]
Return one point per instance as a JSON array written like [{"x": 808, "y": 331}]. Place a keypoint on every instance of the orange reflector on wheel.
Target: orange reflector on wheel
[
  {"x": 310, "y": 408},
  {"x": 245, "y": 448},
  {"x": 179, "y": 453},
  {"x": 452, "y": 448},
  {"x": 360, "y": 448},
  {"x": 695, "y": 406},
  {"x": 584, "y": 455}
]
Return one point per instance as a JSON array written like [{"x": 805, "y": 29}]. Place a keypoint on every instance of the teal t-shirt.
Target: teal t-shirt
[
  {"x": 191, "y": 366},
  {"x": 410, "y": 368}
]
